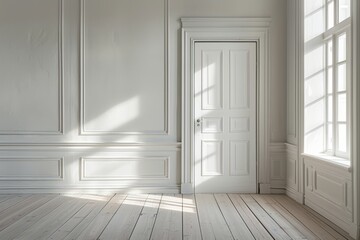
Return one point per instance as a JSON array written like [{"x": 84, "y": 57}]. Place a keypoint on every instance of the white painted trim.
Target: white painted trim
[
  {"x": 166, "y": 130},
  {"x": 300, "y": 74},
  {"x": 225, "y": 29},
  {"x": 91, "y": 190},
  {"x": 61, "y": 109},
  {"x": 355, "y": 154},
  {"x": 264, "y": 188},
  {"x": 166, "y": 173},
  {"x": 92, "y": 147}
]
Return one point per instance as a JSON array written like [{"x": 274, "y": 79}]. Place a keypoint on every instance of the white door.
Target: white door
[{"x": 225, "y": 117}]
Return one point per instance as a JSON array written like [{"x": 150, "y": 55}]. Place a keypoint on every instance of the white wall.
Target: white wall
[{"x": 92, "y": 88}]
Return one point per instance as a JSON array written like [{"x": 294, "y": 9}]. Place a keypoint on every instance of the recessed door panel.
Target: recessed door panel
[{"x": 212, "y": 79}]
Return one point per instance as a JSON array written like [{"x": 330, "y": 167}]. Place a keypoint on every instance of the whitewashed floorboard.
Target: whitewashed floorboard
[{"x": 158, "y": 217}]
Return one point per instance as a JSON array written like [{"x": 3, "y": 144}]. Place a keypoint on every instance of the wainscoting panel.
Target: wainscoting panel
[
  {"x": 292, "y": 172},
  {"x": 148, "y": 168},
  {"x": 277, "y": 155},
  {"x": 26, "y": 168},
  {"x": 328, "y": 191},
  {"x": 119, "y": 168}
]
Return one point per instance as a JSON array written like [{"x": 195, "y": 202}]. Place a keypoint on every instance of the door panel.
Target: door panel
[{"x": 225, "y": 117}]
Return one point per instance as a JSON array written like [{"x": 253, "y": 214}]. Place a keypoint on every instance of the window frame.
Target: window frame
[{"x": 332, "y": 34}]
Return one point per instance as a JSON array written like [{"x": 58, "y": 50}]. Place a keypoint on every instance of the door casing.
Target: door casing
[{"x": 223, "y": 30}]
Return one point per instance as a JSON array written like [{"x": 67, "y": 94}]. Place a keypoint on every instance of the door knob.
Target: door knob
[{"x": 198, "y": 122}]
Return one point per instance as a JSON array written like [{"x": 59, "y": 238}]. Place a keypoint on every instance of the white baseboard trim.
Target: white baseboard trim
[
  {"x": 92, "y": 190},
  {"x": 187, "y": 188},
  {"x": 264, "y": 188},
  {"x": 277, "y": 191},
  {"x": 297, "y": 196}
]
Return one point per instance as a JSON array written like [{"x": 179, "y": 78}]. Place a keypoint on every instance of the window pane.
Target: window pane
[
  {"x": 341, "y": 81},
  {"x": 330, "y": 81},
  {"x": 330, "y": 137},
  {"x": 344, "y": 9},
  {"x": 342, "y": 48},
  {"x": 314, "y": 61},
  {"x": 314, "y": 88},
  {"x": 314, "y": 13},
  {"x": 331, "y": 13},
  {"x": 342, "y": 107},
  {"x": 342, "y": 144},
  {"x": 330, "y": 109},
  {"x": 330, "y": 53}
]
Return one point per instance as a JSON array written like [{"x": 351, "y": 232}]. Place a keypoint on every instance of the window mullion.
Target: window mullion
[
  {"x": 334, "y": 83},
  {"x": 336, "y": 12}
]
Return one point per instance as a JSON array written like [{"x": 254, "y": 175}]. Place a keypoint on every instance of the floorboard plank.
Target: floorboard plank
[
  {"x": 329, "y": 223},
  {"x": 147, "y": 218},
  {"x": 290, "y": 218},
  {"x": 212, "y": 222},
  {"x": 291, "y": 230},
  {"x": 236, "y": 224},
  {"x": 191, "y": 226},
  {"x": 122, "y": 224},
  {"x": 256, "y": 228},
  {"x": 168, "y": 224},
  {"x": 13, "y": 201},
  {"x": 46, "y": 226},
  {"x": 16, "y": 212},
  {"x": 303, "y": 217},
  {"x": 101, "y": 203},
  {"x": 94, "y": 202},
  {"x": 30, "y": 219},
  {"x": 273, "y": 228},
  {"x": 329, "y": 229},
  {"x": 95, "y": 228}
]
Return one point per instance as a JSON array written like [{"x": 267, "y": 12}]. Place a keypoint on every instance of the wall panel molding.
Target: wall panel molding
[
  {"x": 32, "y": 169},
  {"x": 60, "y": 130},
  {"x": 124, "y": 168},
  {"x": 328, "y": 191},
  {"x": 82, "y": 124},
  {"x": 277, "y": 156}
]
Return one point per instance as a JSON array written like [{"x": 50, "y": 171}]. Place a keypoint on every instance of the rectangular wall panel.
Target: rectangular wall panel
[
  {"x": 330, "y": 187},
  {"x": 239, "y": 79},
  {"x": 239, "y": 158},
  {"x": 121, "y": 168},
  {"x": 212, "y": 80},
  {"x": 212, "y": 158},
  {"x": 124, "y": 57},
  {"x": 31, "y": 67},
  {"x": 31, "y": 169}
]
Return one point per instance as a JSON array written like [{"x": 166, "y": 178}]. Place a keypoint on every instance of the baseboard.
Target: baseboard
[
  {"x": 92, "y": 190},
  {"x": 277, "y": 191},
  {"x": 297, "y": 196},
  {"x": 264, "y": 188},
  {"x": 187, "y": 188}
]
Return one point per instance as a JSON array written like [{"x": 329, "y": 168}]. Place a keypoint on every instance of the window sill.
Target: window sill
[{"x": 337, "y": 161}]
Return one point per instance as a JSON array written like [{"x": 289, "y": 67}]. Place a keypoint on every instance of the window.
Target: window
[{"x": 327, "y": 69}]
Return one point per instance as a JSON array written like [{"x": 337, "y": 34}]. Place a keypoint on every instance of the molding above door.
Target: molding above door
[{"x": 222, "y": 30}]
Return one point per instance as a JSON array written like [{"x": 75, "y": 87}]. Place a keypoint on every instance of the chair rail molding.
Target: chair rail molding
[{"x": 217, "y": 30}]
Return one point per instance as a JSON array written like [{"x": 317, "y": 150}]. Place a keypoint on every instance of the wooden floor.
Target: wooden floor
[{"x": 203, "y": 216}]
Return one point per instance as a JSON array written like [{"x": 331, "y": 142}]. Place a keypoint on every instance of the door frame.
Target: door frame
[{"x": 222, "y": 30}]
